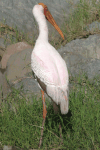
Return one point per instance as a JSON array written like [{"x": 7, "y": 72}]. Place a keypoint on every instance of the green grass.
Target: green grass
[{"x": 21, "y": 120}]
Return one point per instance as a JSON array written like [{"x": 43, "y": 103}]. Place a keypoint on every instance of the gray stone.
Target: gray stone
[
  {"x": 93, "y": 26},
  {"x": 29, "y": 85},
  {"x": 2, "y": 43},
  {"x": 12, "y": 49},
  {"x": 93, "y": 69},
  {"x": 2, "y": 47},
  {"x": 19, "y": 13},
  {"x": 19, "y": 64},
  {"x": 7, "y": 147},
  {"x": 83, "y": 56}
]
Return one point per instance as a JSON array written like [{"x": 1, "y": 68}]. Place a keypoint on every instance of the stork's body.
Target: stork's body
[{"x": 47, "y": 64}]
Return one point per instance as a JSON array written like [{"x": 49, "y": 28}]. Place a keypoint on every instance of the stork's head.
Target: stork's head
[{"x": 48, "y": 16}]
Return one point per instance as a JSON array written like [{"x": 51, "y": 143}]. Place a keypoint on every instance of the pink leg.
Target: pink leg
[
  {"x": 44, "y": 117},
  {"x": 44, "y": 106}
]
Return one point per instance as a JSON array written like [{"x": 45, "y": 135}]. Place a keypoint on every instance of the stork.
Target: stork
[{"x": 47, "y": 64}]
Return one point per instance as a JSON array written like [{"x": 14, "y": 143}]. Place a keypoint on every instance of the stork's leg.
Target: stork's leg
[
  {"x": 55, "y": 107},
  {"x": 44, "y": 105},
  {"x": 44, "y": 117},
  {"x": 56, "y": 110}
]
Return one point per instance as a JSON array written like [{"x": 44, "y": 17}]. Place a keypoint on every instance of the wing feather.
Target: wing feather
[
  {"x": 53, "y": 73},
  {"x": 46, "y": 72}
]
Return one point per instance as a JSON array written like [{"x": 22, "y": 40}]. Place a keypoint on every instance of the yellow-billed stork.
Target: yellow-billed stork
[{"x": 48, "y": 66}]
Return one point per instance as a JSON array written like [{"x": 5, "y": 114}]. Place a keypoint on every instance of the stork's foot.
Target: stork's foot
[
  {"x": 44, "y": 117},
  {"x": 40, "y": 142}
]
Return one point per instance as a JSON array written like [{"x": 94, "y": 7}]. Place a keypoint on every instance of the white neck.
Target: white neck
[{"x": 43, "y": 29}]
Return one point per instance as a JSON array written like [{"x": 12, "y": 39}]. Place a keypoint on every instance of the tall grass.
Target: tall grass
[{"x": 21, "y": 120}]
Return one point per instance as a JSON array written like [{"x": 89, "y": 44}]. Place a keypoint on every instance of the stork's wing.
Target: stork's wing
[
  {"x": 45, "y": 69},
  {"x": 56, "y": 80}
]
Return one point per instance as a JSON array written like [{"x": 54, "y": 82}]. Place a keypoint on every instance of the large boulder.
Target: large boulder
[
  {"x": 19, "y": 13},
  {"x": 83, "y": 56}
]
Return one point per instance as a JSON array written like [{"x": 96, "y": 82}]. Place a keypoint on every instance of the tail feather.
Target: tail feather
[
  {"x": 64, "y": 104},
  {"x": 59, "y": 96}
]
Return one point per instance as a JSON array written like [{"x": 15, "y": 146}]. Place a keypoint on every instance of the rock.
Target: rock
[
  {"x": 19, "y": 65},
  {"x": 14, "y": 48},
  {"x": 93, "y": 26},
  {"x": 19, "y": 13},
  {"x": 2, "y": 43},
  {"x": 83, "y": 56},
  {"x": 93, "y": 69},
  {"x": 2, "y": 47},
  {"x": 7, "y": 147},
  {"x": 11, "y": 49},
  {"x": 29, "y": 86}
]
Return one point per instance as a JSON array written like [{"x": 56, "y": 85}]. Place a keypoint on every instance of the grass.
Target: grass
[{"x": 21, "y": 120}]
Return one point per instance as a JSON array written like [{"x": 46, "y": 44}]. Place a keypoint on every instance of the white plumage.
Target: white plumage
[{"x": 48, "y": 65}]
